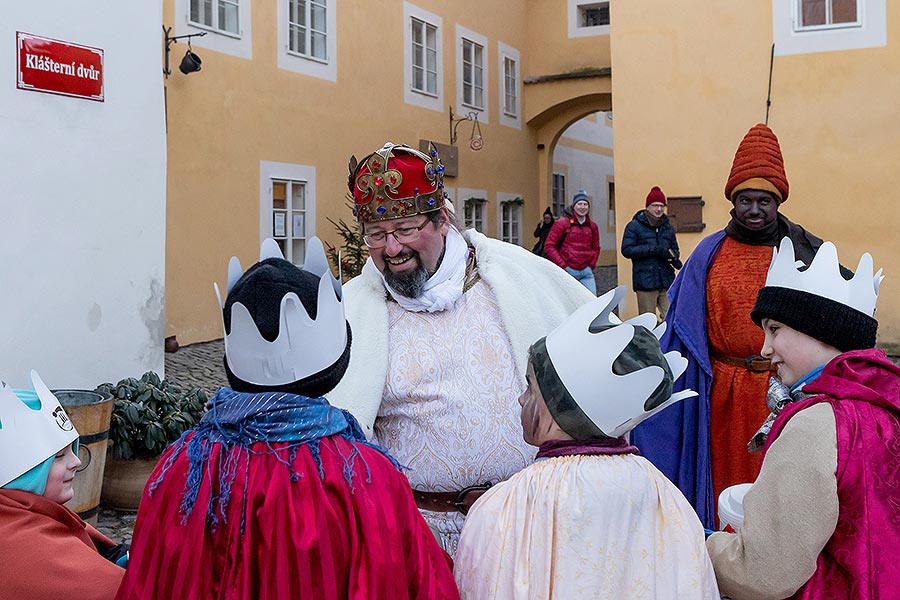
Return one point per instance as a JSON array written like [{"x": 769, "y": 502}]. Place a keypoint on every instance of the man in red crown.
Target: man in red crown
[{"x": 442, "y": 323}]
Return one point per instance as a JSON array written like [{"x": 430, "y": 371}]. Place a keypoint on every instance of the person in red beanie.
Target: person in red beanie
[
  {"x": 649, "y": 241},
  {"x": 703, "y": 446}
]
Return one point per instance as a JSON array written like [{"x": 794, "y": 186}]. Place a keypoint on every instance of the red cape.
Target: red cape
[
  {"x": 313, "y": 538},
  {"x": 49, "y": 553}
]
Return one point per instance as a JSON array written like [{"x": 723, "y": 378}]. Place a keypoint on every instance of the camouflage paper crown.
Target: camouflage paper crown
[{"x": 395, "y": 182}]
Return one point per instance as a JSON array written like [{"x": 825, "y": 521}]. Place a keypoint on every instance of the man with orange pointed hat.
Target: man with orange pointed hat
[
  {"x": 703, "y": 445},
  {"x": 276, "y": 493},
  {"x": 442, "y": 322},
  {"x": 821, "y": 519}
]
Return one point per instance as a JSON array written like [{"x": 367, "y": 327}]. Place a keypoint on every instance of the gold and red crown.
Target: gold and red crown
[{"x": 395, "y": 182}]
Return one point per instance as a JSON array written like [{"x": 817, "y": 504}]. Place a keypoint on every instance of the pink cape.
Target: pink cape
[{"x": 860, "y": 559}]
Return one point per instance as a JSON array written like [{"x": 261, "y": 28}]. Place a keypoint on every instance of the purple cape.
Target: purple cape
[{"x": 677, "y": 439}]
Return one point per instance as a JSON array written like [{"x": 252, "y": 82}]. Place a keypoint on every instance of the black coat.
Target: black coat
[
  {"x": 653, "y": 252},
  {"x": 541, "y": 232}
]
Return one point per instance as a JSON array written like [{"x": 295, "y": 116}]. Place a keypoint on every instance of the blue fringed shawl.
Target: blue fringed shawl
[{"x": 237, "y": 420}]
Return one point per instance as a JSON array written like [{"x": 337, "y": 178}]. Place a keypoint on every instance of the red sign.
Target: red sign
[{"x": 56, "y": 67}]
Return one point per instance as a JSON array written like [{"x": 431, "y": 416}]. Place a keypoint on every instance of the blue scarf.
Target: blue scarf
[{"x": 239, "y": 420}]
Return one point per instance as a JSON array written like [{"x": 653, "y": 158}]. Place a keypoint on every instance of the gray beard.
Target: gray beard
[{"x": 411, "y": 284}]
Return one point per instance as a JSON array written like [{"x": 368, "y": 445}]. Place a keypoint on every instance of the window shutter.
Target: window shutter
[{"x": 686, "y": 213}]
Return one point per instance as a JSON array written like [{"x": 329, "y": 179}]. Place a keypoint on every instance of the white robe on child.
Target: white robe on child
[{"x": 607, "y": 526}]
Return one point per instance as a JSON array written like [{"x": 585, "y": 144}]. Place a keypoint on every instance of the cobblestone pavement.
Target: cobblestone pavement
[{"x": 198, "y": 365}]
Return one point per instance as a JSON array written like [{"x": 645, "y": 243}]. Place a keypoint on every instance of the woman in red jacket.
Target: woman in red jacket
[{"x": 574, "y": 242}]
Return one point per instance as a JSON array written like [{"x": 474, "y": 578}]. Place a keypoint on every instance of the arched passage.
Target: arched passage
[{"x": 549, "y": 125}]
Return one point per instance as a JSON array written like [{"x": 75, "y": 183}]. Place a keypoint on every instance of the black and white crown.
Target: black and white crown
[
  {"x": 583, "y": 349},
  {"x": 304, "y": 346}
]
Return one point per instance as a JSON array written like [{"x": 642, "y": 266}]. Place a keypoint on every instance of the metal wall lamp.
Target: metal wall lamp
[
  {"x": 191, "y": 62},
  {"x": 476, "y": 142}
]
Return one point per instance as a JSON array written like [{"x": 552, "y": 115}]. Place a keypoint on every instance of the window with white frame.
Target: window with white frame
[
  {"x": 473, "y": 214},
  {"x": 424, "y": 57},
  {"x": 807, "y": 26},
  {"x": 509, "y": 98},
  {"x": 473, "y": 74},
  {"x": 827, "y": 13},
  {"x": 511, "y": 220},
  {"x": 588, "y": 17},
  {"x": 289, "y": 218},
  {"x": 593, "y": 15},
  {"x": 287, "y": 206},
  {"x": 510, "y": 86},
  {"x": 308, "y": 29},
  {"x": 221, "y": 15},
  {"x": 558, "y": 194}
]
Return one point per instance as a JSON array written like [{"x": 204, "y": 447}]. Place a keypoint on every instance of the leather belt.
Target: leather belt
[
  {"x": 460, "y": 501},
  {"x": 755, "y": 363}
]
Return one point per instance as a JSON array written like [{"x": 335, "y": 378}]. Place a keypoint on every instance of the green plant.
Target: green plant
[
  {"x": 352, "y": 255},
  {"x": 517, "y": 201},
  {"x": 150, "y": 413}
]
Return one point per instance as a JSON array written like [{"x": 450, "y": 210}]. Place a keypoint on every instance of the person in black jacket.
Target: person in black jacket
[
  {"x": 649, "y": 241},
  {"x": 541, "y": 231}
]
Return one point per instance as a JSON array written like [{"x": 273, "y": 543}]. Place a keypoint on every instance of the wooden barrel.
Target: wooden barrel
[
  {"x": 90, "y": 412},
  {"x": 124, "y": 482}
]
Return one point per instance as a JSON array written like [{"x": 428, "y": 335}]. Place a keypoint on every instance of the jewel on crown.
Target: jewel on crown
[
  {"x": 304, "y": 346},
  {"x": 823, "y": 277},
  {"x": 583, "y": 358},
  {"x": 385, "y": 189}
]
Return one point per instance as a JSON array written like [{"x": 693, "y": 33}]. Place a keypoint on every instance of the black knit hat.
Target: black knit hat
[
  {"x": 826, "y": 320},
  {"x": 261, "y": 289}
]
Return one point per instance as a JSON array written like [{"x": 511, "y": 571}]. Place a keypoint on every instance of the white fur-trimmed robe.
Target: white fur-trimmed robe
[
  {"x": 584, "y": 527},
  {"x": 534, "y": 296}
]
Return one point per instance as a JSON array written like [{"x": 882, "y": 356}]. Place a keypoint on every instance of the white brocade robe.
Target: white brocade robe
[
  {"x": 584, "y": 527},
  {"x": 450, "y": 409}
]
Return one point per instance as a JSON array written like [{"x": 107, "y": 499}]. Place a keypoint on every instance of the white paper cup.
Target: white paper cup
[{"x": 731, "y": 505}]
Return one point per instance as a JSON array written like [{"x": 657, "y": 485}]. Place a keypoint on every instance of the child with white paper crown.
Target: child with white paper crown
[
  {"x": 47, "y": 551},
  {"x": 821, "y": 520},
  {"x": 276, "y": 493},
  {"x": 591, "y": 518}
]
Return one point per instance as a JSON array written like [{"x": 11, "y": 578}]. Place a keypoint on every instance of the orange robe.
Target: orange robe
[
  {"x": 48, "y": 553},
  {"x": 738, "y": 395}
]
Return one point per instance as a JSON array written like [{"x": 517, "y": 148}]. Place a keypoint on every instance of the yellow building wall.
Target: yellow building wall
[
  {"x": 551, "y": 50},
  {"x": 225, "y": 119},
  {"x": 691, "y": 79}
]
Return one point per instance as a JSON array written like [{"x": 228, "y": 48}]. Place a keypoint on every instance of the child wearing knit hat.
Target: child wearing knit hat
[
  {"x": 820, "y": 520},
  {"x": 574, "y": 242}
]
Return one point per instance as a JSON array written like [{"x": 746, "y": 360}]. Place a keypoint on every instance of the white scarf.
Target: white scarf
[{"x": 444, "y": 288}]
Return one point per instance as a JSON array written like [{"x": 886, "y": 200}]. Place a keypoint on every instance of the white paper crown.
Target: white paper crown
[
  {"x": 823, "y": 277},
  {"x": 30, "y": 436},
  {"x": 584, "y": 362},
  {"x": 304, "y": 346}
]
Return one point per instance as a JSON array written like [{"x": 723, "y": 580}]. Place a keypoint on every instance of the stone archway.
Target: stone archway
[{"x": 549, "y": 125}]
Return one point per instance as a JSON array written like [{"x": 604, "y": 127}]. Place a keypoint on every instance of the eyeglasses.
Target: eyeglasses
[{"x": 404, "y": 235}]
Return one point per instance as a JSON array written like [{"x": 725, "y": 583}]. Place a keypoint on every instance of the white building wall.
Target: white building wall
[
  {"x": 82, "y": 207},
  {"x": 585, "y": 150}
]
